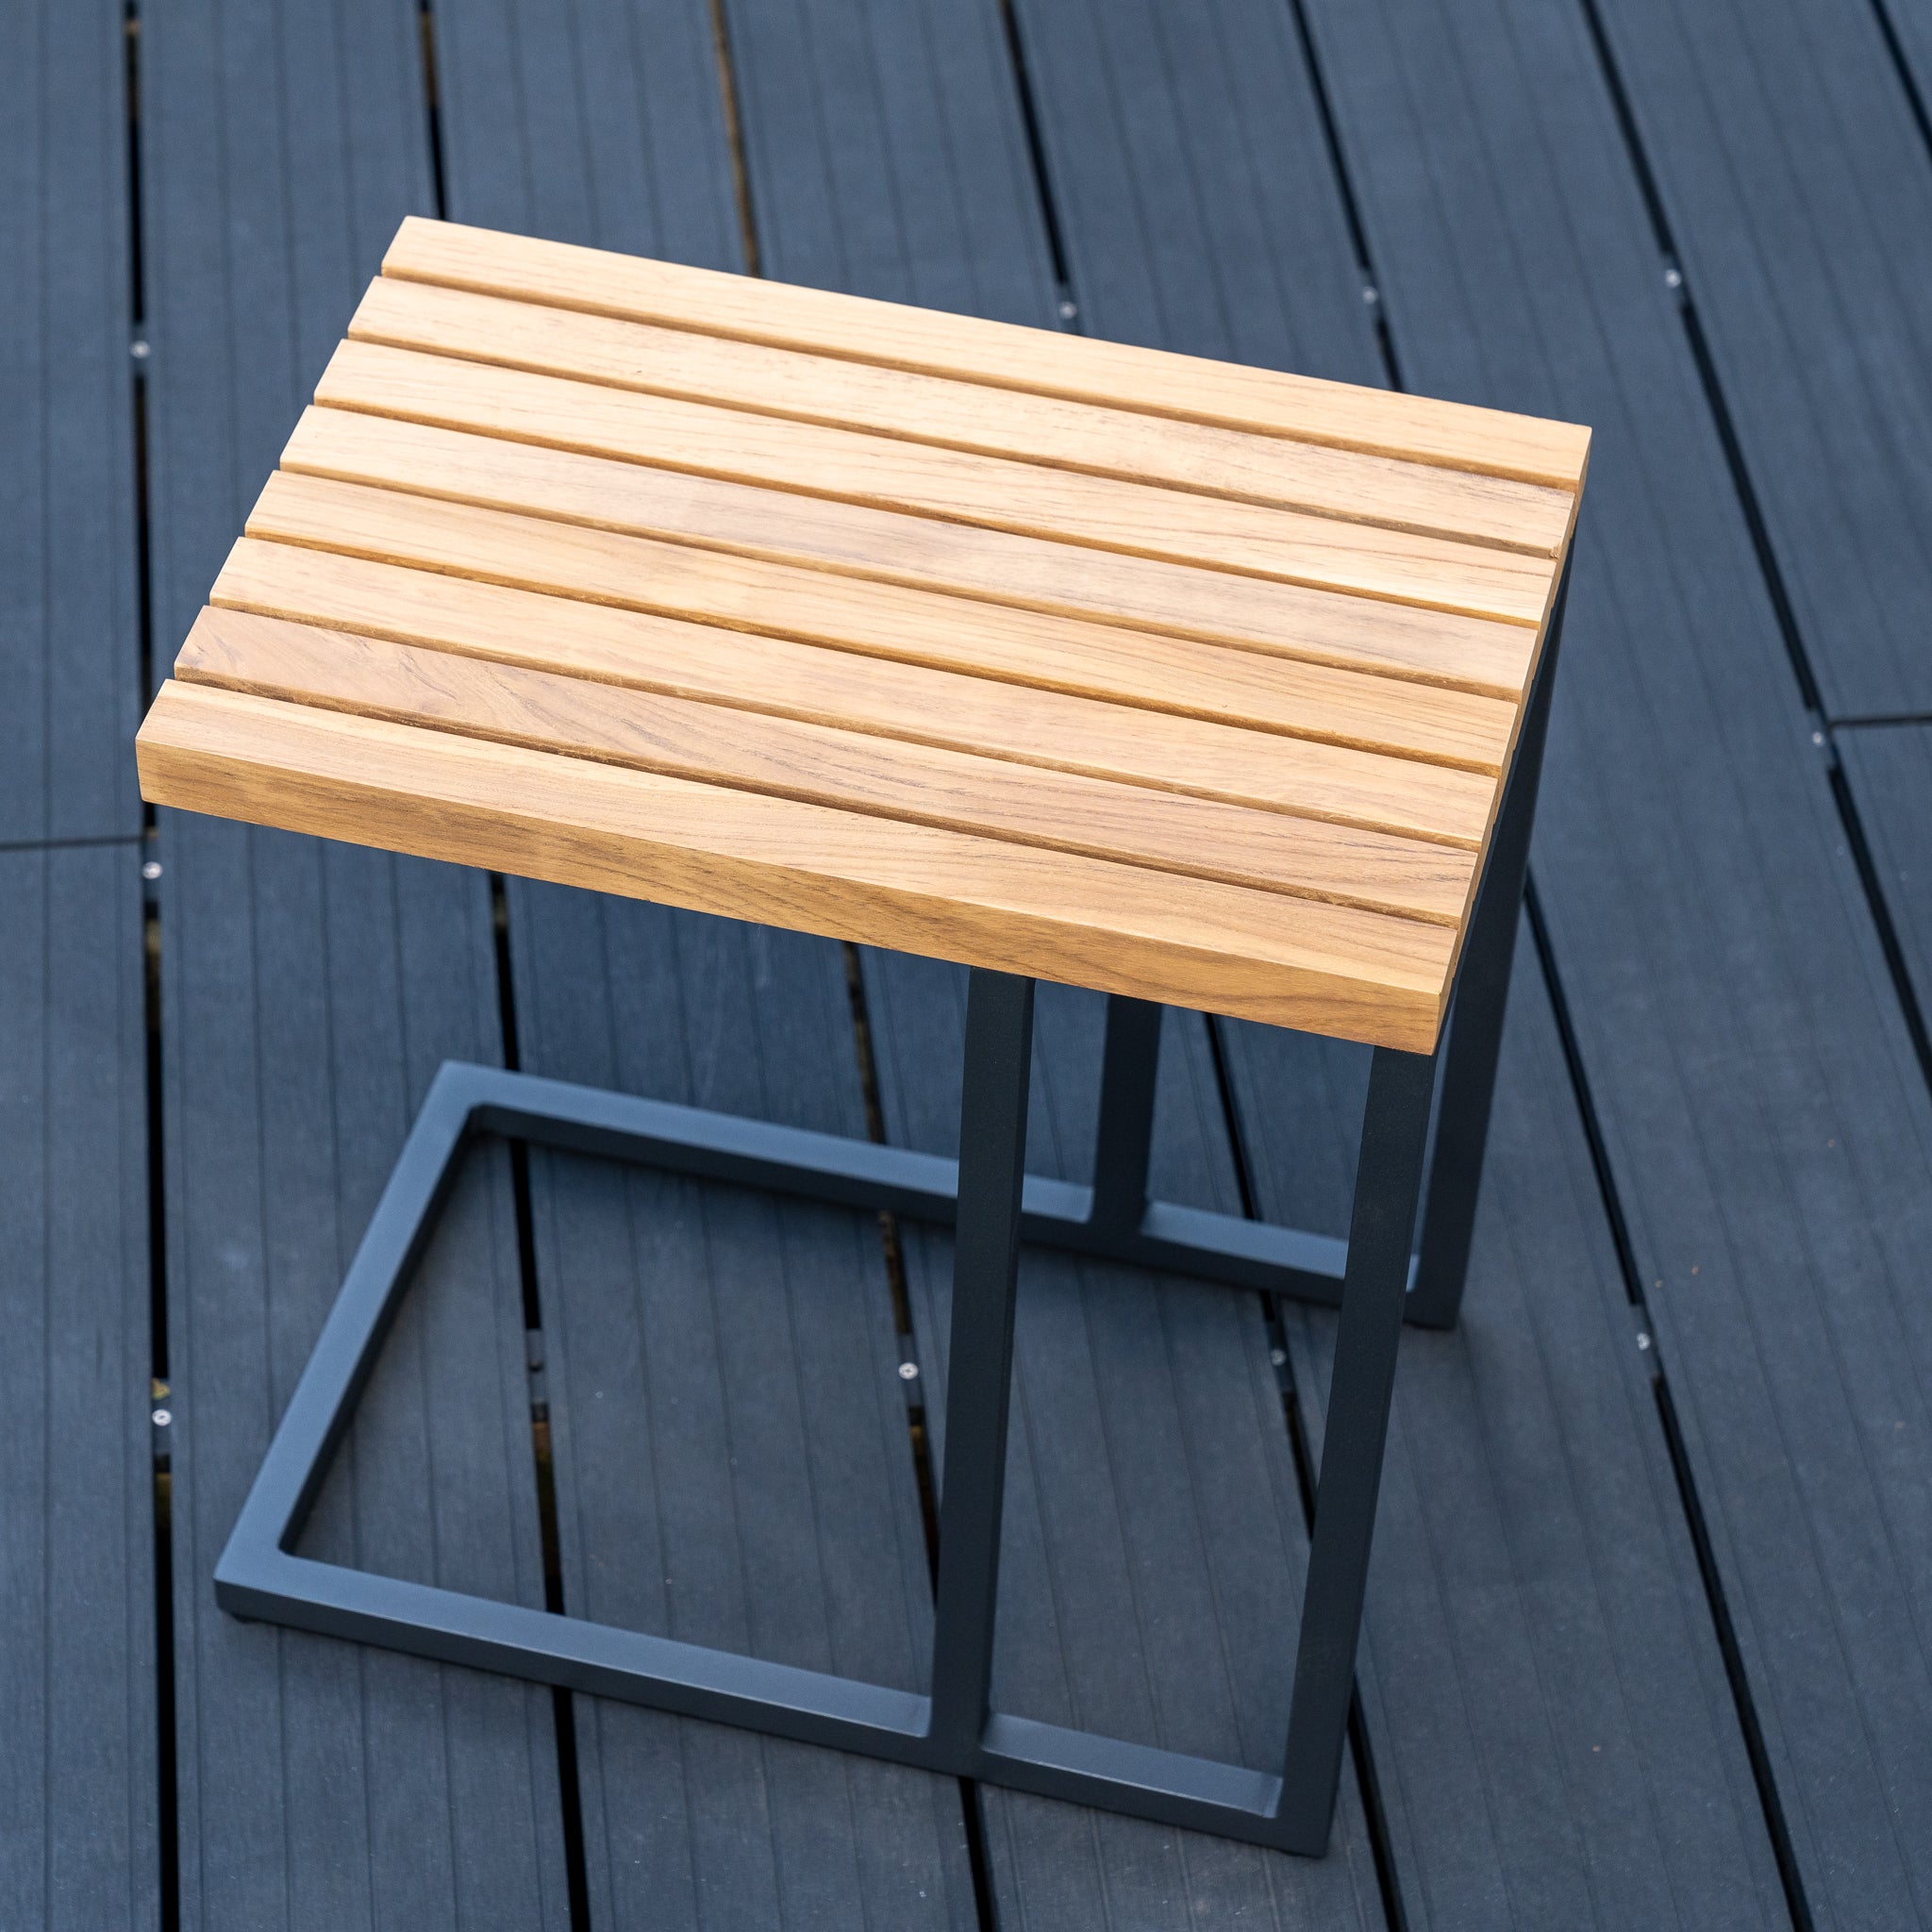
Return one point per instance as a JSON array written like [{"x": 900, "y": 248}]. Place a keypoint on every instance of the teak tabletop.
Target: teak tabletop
[{"x": 1163, "y": 676}]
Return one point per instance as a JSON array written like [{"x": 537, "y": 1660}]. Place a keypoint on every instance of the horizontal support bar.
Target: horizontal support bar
[
  {"x": 1199, "y": 1793},
  {"x": 1192, "y": 1241},
  {"x": 597, "y": 1658},
  {"x": 724, "y": 1686}
]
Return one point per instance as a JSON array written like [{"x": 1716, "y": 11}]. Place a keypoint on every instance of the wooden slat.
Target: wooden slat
[
  {"x": 1301, "y": 407},
  {"x": 853, "y": 769},
  {"x": 933, "y": 410},
  {"x": 887, "y": 472},
  {"x": 803, "y": 681},
  {"x": 1320, "y": 625},
  {"x": 1273, "y": 694},
  {"x": 1330, "y": 969}
]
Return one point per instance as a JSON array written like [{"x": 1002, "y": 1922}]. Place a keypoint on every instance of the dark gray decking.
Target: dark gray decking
[{"x": 1647, "y": 1639}]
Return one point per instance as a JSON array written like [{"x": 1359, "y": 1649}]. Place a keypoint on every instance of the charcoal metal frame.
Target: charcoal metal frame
[{"x": 1376, "y": 1278}]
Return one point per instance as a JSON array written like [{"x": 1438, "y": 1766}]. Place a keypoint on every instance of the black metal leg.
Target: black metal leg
[
  {"x": 1387, "y": 1183},
  {"x": 1475, "y": 1034},
  {"x": 1129, "y": 1072},
  {"x": 979, "y": 1372}
]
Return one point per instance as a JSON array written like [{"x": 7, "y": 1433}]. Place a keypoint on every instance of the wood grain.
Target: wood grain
[
  {"x": 1321, "y": 701},
  {"x": 1302, "y": 408},
  {"x": 903, "y": 701},
  {"x": 934, "y": 410},
  {"x": 886, "y": 472},
  {"x": 1294, "y": 962},
  {"x": 1323, "y": 626},
  {"x": 1156, "y": 676},
  {"x": 854, "y": 770}
]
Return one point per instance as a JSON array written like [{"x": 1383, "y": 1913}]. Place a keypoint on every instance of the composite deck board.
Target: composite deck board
[
  {"x": 79, "y": 1779},
  {"x": 68, "y": 641},
  {"x": 603, "y": 124},
  {"x": 1162, "y": 193},
  {"x": 1552, "y": 1734},
  {"x": 885, "y": 155},
  {"x": 916, "y": 109},
  {"x": 1768, "y": 1130},
  {"x": 1798, "y": 190},
  {"x": 310, "y": 993},
  {"x": 1889, "y": 771},
  {"x": 732, "y": 1455},
  {"x": 1197, "y": 209},
  {"x": 1153, "y": 1541}
]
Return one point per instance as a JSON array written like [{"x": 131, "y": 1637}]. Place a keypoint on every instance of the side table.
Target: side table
[{"x": 1193, "y": 684}]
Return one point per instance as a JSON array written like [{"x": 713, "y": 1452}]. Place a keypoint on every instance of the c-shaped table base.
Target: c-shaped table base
[
  {"x": 1375, "y": 1278},
  {"x": 994, "y": 1207}
]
